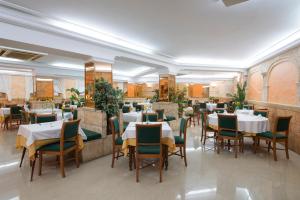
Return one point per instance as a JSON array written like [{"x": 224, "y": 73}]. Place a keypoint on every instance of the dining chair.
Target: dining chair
[
  {"x": 66, "y": 110},
  {"x": 227, "y": 130},
  {"x": 206, "y": 128},
  {"x": 117, "y": 141},
  {"x": 220, "y": 105},
  {"x": 15, "y": 115},
  {"x": 32, "y": 118},
  {"x": 75, "y": 114},
  {"x": 202, "y": 106},
  {"x": 180, "y": 141},
  {"x": 263, "y": 113},
  {"x": 148, "y": 146},
  {"x": 43, "y": 118},
  {"x": 139, "y": 108},
  {"x": 25, "y": 117},
  {"x": 151, "y": 117},
  {"x": 68, "y": 143},
  {"x": 280, "y": 135},
  {"x": 248, "y": 107},
  {"x": 126, "y": 109},
  {"x": 121, "y": 104},
  {"x": 219, "y": 110},
  {"x": 160, "y": 114},
  {"x": 134, "y": 104}
]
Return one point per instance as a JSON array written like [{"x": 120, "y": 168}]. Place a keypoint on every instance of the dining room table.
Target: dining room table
[
  {"x": 129, "y": 140},
  {"x": 33, "y": 136},
  {"x": 248, "y": 124},
  {"x": 211, "y": 106},
  {"x": 59, "y": 114}
]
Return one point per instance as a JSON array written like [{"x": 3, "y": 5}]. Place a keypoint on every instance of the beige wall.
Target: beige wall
[
  {"x": 18, "y": 85},
  {"x": 255, "y": 86},
  {"x": 221, "y": 88}
]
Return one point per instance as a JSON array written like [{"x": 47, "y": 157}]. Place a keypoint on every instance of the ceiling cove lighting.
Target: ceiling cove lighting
[
  {"x": 96, "y": 34},
  {"x": 10, "y": 59},
  {"x": 198, "y": 76},
  {"x": 68, "y": 65},
  {"x": 44, "y": 79},
  {"x": 12, "y": 72},
  {"x": 208, "y": 62},
  {"x": 132, "y": 73}
]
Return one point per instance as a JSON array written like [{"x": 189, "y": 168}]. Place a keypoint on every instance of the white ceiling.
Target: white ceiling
[{"x": 202, "y": 29}]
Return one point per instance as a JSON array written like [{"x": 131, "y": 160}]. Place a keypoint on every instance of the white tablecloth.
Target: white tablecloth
[
  {"x": 130, "y": 130},
  {"x": 4, "y": 111},
  {"x": 245, "y": 112},
  {"x": 50, "y": 130},
  {"x": 211, "y": 106},
  {"x": 246, "y": 123},
  {"x": 58, "y": 112},
  {"x": 132, "y": 117}
]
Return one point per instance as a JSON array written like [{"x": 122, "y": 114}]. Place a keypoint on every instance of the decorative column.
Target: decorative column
[
  {"x": 264, "y": 94},
  {"x": 95, "y": 70},
  {"x": 167, "y": 84}
]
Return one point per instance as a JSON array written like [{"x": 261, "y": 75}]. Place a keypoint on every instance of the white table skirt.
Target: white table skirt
[
  {"x": 42, "y": 131},
  {"x": 130, "y": 131},
  {"x": 246, "y": 123},
  {"x": 211, "y": 106}
]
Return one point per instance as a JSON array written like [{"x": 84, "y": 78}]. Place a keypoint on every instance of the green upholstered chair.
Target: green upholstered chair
[
  {"x": 248, "y": 107},
  {"x": 66, "y": 110},
  {"x": 25, "y": 117},
  {"x": 180, "y": 141},
  {"x": 220, "y": 105},
  {"x": 169, "y": 118},
  {"x": 75, "y": 114},
  {"x": 126, "y": 102},
  {"x": 148, "y": 145},
  {"x": 117, "y": 141},
  {"x": 15, "y": 115},
  {"x": 126, "y": 109},
  {"x": 91, "y": 135},
  {"x": 68, "y": 143},
  {"x": 227, "y": 130},
  {"x": 219, "y": 110},
  {"x": 280, "y": 135},
  {"x": 121, "y": 104},
  {"x": 263, "y": 113},
  {"x": 134, "y": 104},
  {"x": 43, "y": 118},
  {"x": 190, "y": 103},
  {"x": 160, "y": 114},
  {"x": 139, "y": 108},
  {"x": 32, "y": 118},
  {"x": 151, "y": 117},
  {"x": 202, "y": 106},
  {"x": 206, "y": 128}
]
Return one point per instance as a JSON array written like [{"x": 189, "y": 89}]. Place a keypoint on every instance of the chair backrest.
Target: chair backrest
[
  {"x": 196, "y": 108},
  {"x": 190, "y": 102},
  {"x": 126, "y": 109},
  {"x": 152, "y": 117},
  {"x": 263, "y": 113},
  {"x": 67, "y": 110},
  {"x": 32, "y": 118},
  {"x": 126, "y": 102},
  {"x": 43, "y": 118},
  {"x": 121, "y": 104},
  {"x": 220, "y": 105},
  {"x": 182, "y": 128},
  {"x": 69, "y": 130},
  {"x": 115, "y": 127},
  {"x": 204, "y": 119},
  {"x": 139, "y": 108},
  {"x": 25, "y": 117},
  {"x": 15, "y": 112},
  {"x": 202, "y": 105},
  {"x": 134, "y": 104},
  {"x": 283, "y": 124},
  {"x": 249, "y": 107},
  {"x": 160, "y": 114},
  {"x": 75, "y": 114},
  {"x": 227, "y": 122},
  {"x": 148, "y": 135}
]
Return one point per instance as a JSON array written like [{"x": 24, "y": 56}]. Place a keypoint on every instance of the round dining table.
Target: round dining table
[{"x": 247, "y": 123}]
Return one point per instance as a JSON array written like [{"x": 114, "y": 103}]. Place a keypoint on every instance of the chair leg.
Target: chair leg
[
  {"x": 235, "y": 148},
  {"x": 287, "y": 149},
  {"x": 184, "y": 153},
  {"x": 32, "y": 168},
  {"x": 22, "y": 157},
  {"x": 274, "y": 150},
  {"x": 62, "y": 166},
  {"x": 205, "y": 136},
  {"x": 255, "y": 145},
  {"x": 40, "y": 163},
  {"x": 137, "y": 169},
  {"x": 201, "y": 134},
  {"x": 218, "y": 146},
  {"x": 77, "y": 158},
  {"x": 118, "y": 153},
  {"x": 160, "y": 169},
  {"x": 180, "y": 150},
  {"x": 113, "y": 158},
  {"x": 269, "y": 146}
]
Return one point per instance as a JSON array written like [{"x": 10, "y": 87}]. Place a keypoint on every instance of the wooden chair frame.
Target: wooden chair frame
[
  {"x": 10, "y": 118},
  {"x": 237, "y": 139},
  {"x": 160, "y": 110},
  {"x": 60, "y": 153},
  {"x": 140, "y": 157},
  {"x": 275, "y": 140},
  {"x": 204, "y": 130},
  {"x": 116, "y": 152}
]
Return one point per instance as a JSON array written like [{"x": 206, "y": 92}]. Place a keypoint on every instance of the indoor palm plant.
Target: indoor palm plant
[{"x": 239, "y": 97}]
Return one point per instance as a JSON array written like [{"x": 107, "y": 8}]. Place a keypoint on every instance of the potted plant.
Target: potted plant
[{"x": 239, "y": 97}]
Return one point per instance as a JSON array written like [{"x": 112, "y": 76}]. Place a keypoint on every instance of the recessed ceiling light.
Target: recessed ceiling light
[
  {"x": 11, "y": 59},
  {"x": 68, "y": 65}
]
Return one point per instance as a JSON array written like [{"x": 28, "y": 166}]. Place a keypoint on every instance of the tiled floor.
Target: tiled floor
[{"x": 208, "y": 176}]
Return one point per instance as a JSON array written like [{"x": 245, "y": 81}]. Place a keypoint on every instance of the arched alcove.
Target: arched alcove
[
  {"x": 282, "y": 82},
  {"x": 255, "y": 86}
]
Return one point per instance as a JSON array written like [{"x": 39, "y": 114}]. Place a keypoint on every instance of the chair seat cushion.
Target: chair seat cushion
[
  {"x": 119, "y": 141},
  {"x": 269, "y": 134},
  {"x": 228, "y": 133},
  {"x": 91, "y": 135},
  {"x": 125, "y": 124},
  {"x": 56, "y": 146},
  {"x": 149, "y": 149},
  {"x": 178, "y": 140},
  {"x": 170, "y": 118}
]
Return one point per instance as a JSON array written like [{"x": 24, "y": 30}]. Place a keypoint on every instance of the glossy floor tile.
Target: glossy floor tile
[{"x": 208, "y": 176}]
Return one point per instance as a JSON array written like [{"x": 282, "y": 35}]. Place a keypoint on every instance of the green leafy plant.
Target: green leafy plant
[
  {"x": 119, "y": 94},
  {"x": 155, "y": 97},
  {"x": 239, "y": 96},
  {"x": 75, "y": 97},
  {"x": 106, "y": 98}
]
